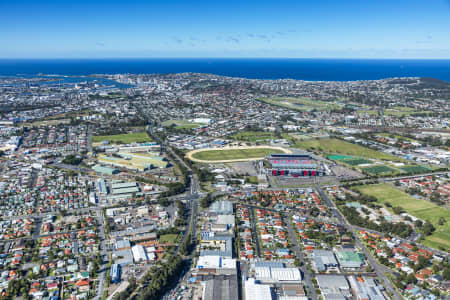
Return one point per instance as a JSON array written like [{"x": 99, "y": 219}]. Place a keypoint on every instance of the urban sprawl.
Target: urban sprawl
[{"x": 198, "y": 186}]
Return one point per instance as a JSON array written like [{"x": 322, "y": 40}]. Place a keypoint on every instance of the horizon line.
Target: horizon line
[{"x": 222, "y": 57}]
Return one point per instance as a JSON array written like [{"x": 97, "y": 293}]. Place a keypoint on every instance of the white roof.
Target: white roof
[
  {"x": 215, "y": 262},
  {"x": 257, "y": 291},
  {"x": 277, "y": 274},
  {"x": 139, "y": 253}
]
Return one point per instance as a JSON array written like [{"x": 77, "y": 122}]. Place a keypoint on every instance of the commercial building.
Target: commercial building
[
  {"x": 333, "y": 287},
  {"x": 295, "y": 165},
  {"x": 222, "y": 208},
  {"x": 324, "y": 260},
  {"x": 350, "y": 259}
]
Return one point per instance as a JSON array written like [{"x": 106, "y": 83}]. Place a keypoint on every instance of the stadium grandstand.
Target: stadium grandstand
[{"x": 295, "y": 165}]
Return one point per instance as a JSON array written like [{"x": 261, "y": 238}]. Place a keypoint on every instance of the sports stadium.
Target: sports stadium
[{"x": 295, "y": 165}]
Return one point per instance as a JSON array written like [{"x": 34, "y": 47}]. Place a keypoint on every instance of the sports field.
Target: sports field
[
  {"x": 137, "y": 137},
  {"x": 339, "y": 157},
  {"x": 419, "y": 208},
  {"x": 378, "y": 170},
  {"x": 335, "y": 146},
  {"x": 416, "y": 169},
  {"x": 182, "y": 124},
  {"x": 255, "y": 136},
  {"x": 356, "y": 161},
  {"x": 301, "y": 103},
  {"x": 233, "y": 154}
]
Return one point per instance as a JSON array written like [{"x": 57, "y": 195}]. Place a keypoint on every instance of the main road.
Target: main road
[{"x": 380, "y": 270}]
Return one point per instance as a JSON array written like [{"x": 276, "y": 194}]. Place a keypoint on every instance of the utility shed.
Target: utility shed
[{"x": 221, "y": 288}]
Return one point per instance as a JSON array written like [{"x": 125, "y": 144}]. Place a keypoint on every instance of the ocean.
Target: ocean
[{"x": 253, "y": 68}]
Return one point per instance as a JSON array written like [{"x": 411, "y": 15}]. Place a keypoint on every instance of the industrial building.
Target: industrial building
[
  {"x": 105, "y": 170},
  {"x": 333, "y": 287},
  {"x": 295, "y": 165},
  {"x": 257, "y": 291},
  {"x": 221, "y": 288},
  {"x": 366, "y": 288},
  {"x": 139, "y": 254},
  {"x": 277, "y": 275},
  {"x": 324, "y": 260}
]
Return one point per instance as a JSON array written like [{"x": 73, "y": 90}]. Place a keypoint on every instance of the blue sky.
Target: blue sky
[{"x": 245, "y": 28}]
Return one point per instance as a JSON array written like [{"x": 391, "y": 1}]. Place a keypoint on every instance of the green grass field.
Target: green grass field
[
  {"x": 403, "y": 111},
  {"x": 301, "y": 104},
  {"x": 335, "y": 146},
  {"x": 253, "y": 179},
  {"x": 375, "y": 170},
  {"x": 254, "y": 136},
  {"x": 211, "y": 155},
  {"x": 137, "y": 137},
  {"x": 396, "y": 136},
  {"x": 168, "y": 238},
  {"x": 356, "y": 161},
  {"x": 416, "y": 169},
  {"x": 181, "y": 124},
  {"x": 339, "y": 157},
  {"x": 419, "y": 208}
]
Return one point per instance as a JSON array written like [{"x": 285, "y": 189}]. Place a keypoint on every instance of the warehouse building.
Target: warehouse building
[
  {"x": 324, "y": 260},
  {"x": 334, "y": 287},
  {"x": 139, "y": 254},
  {"x": 277, "y": 275},
  {"x": 295, "y": 165},
  {"x": 366, "y": 288},
  {"x": 105, "y": 170},
  {"x": 257, "y": 291},
  {"x": 221, "y": 288}
]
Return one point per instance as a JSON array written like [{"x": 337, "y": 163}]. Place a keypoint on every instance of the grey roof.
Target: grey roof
[
  {"x": 228, "y": 245},
  {"x": 222, "y": 207},
  {"x": 222, "y": 288},
  {"x": 323, "y": 259},
  {"x": 268, "y": 264}
]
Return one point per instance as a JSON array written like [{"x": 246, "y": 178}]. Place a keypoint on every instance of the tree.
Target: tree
[
  {"x": 446, "y": 273},
  {"x": 428, "y": 228}
]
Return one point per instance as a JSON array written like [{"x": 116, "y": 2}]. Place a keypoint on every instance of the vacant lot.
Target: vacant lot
[
  {"x": 419, "y": 208},
  {"x": 168, "y": 238},
  {"x": 335, "y": 146},
  {"x": 137, "y": 137},
  {"x": 234, "y": 154}
]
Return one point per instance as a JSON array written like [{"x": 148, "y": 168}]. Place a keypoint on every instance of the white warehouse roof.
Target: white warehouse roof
[
  {"x": 257, "y": 291},
  {"x": 139, "y": 253}
]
